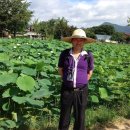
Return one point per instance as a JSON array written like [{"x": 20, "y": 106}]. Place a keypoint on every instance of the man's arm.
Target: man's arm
[
  {"x": 90, "y": 74},
  {"x": 60, "y": 70},
  {"x": 90, "y": 65}
]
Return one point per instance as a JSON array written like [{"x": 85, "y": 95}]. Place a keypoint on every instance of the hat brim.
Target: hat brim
[{"x": 87, "y": 40}]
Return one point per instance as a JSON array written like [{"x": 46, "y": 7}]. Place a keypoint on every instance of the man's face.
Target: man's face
[{"x": 78, "y": 42}]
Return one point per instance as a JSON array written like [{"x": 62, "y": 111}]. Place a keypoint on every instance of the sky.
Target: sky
[{"x": 82, "y": 13}]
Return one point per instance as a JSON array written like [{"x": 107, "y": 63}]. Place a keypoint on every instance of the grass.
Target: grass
[
  {"x": 95, "y": 117},
  {"x": 99, "y": 115}
]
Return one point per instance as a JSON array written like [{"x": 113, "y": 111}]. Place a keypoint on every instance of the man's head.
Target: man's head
[
  {"x": 78, "y": 42},
  {"x": 80, "y": 35}
]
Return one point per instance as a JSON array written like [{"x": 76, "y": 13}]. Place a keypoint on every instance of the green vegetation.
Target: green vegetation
[
  {"x": 104, "y": 29},
  {"x": 30, "y": 84},
  {"x": 14, "y": 16},
  {"x": 117, "y": 36},
  {"x": 53, "y": 28}
]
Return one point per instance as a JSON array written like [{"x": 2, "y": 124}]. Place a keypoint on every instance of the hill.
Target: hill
[{"x": 119, "y": 28}]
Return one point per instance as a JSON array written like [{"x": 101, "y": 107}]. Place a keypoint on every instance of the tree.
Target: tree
[
  {"x": 128, "y": 39},
  {"x": 46, "y": 28},
  {"x": 14, "y": 15},
  {"x": 103, "y": 29},
  {"x": 90, "y": 33},
  {"x": 61, "y": 28},
  {"x": 4, "y": 15},
  {"x": 35, "y": 26},
  {"x": 117, "y": 36},
  {"x": 53, "y": 28}
]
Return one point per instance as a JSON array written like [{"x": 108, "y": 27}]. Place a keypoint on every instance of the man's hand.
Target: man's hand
[
  {"x": 60, "y": 70},
  {"x": 90, "y": 74}
]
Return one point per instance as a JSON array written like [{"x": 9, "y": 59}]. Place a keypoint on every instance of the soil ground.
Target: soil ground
[{"x": 120, "y": 124}]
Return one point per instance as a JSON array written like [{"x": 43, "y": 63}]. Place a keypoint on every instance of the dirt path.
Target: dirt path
[{"x": 121, "y": 124}]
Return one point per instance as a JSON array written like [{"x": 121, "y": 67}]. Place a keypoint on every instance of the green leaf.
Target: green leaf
[
  {"x": 26, "y": 83},
  {"x": 39, "y": 66},
  {"x": 100, "y": 69},
  {"x": 5, "y": 107},
  {"x": 47, "y": 110},
  {"x": 10, "y": 124},
  {"x": 103, "y": 93},
  {"x": 8, "y": 78},
  {"x": 29, "y": 62},
  {"x": 41, "y": 93},
  {"x": 10, "y": 92},
  {"x": 6, "y": 93},
  {"x": 19, "y": 100},
  {"x": 17, "y": 62},
  {"x": 7, "y": 124},
  {"x": 117, "y": 92},
  {"x": 4, "y": 57},
  {"x": 35, "y": 102},
  {"x": 44, "y": 82},
  {"x": 28, "y": 71},
  {"x": 92, "y": 87},
  {"x": 94, "y": 99},
  {"x": 44, "y": 74},
  {"x": 2, "y": 123},
  {"x": 56, "y": 110}
]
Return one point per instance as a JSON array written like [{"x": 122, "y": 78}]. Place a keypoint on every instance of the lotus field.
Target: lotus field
[{"x": 30, "y": 84}]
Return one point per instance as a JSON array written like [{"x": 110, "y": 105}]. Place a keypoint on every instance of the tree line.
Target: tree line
[
  {"x": 15, "y": 16},
  {"x": 56, "y": 28},
  {"x": 53, "y": 28}
]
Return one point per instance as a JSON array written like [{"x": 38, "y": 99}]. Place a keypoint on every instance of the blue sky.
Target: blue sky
[{"x": 82, "y": 13}]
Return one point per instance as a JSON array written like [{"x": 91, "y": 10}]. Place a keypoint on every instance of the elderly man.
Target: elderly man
[{"x": 76, "y": 68}]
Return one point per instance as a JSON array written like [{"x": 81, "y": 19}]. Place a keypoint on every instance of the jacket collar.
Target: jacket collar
[{"x": 83, "y": 52}]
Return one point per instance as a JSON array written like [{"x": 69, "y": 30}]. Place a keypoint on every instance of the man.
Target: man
[{"x": 76, "y": 68}]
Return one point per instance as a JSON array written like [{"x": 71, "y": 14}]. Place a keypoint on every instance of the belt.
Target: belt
[
  {"x": 74, "y": 89},
  {"x": 78, "y": 89}
]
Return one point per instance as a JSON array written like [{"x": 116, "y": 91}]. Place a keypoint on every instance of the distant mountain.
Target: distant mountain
[{"x": 119, "y": 28}]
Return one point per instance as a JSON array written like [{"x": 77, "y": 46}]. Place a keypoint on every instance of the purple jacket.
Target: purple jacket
[{"x": 75, "y": 70}]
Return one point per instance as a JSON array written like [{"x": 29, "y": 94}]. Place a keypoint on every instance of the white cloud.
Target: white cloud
[{"x": 82, "y": 12}]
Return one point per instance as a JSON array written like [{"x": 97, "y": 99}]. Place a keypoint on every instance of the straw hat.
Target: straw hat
[{"x": 78, "y": 33}]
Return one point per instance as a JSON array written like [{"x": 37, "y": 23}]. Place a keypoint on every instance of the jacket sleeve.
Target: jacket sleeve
[
  {"x": 90, "y": 62},
  {"x": 61, "y": 60}
]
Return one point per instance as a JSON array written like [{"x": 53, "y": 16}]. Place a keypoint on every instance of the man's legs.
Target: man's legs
[
  {"x": 80, "y": 103},
  {"x": 66, "y": 105}
]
